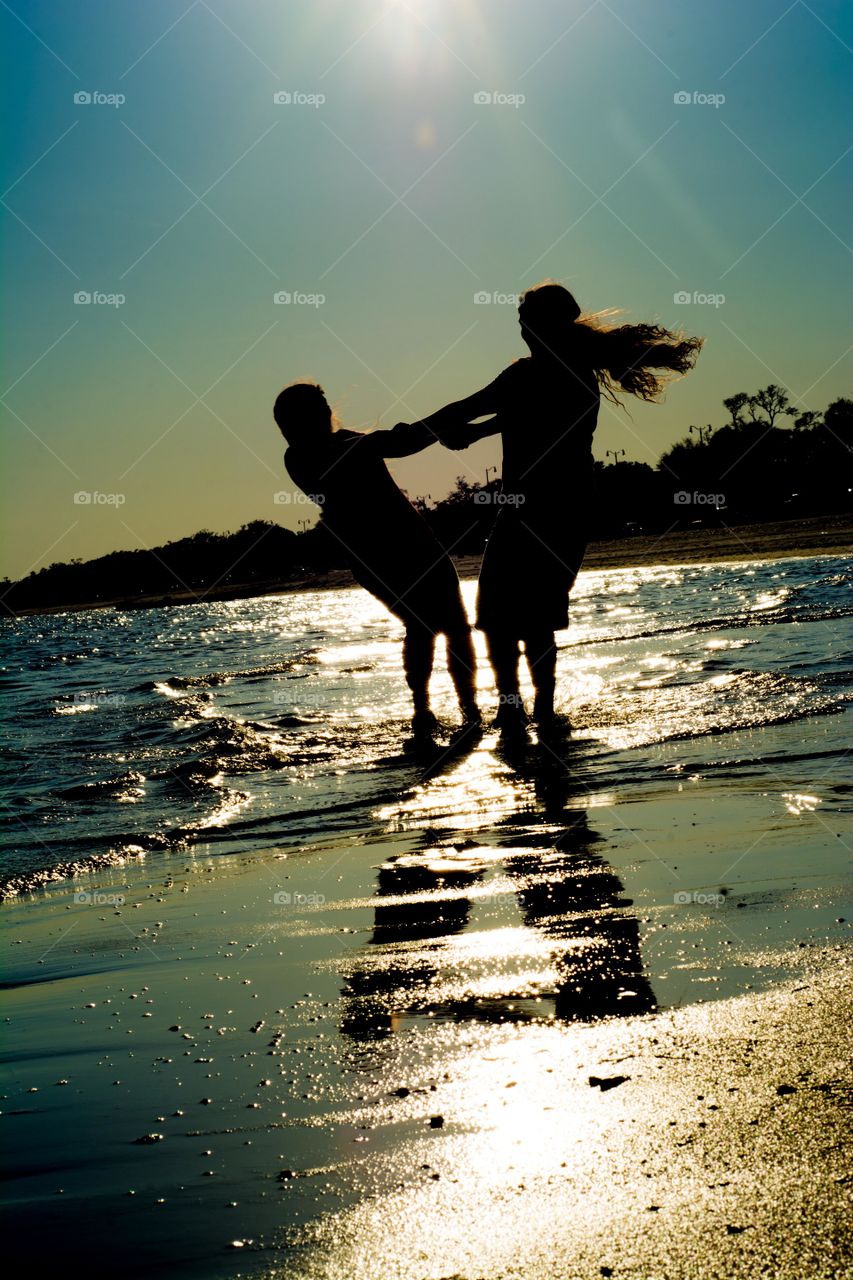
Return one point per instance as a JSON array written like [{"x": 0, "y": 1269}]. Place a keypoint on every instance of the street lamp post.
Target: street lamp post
[{"x": 615, "y": 454}]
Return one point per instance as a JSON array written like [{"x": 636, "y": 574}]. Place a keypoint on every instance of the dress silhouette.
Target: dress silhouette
[{"x": 547, "y": 410}]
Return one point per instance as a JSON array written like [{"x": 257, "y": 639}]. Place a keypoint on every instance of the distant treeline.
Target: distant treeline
[{"x": 767, "y": 461}]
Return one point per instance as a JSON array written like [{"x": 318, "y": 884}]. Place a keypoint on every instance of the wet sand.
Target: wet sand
[{"x": 602, "y": 1038}]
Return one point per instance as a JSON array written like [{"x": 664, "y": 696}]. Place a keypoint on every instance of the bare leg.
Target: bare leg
[
  {"x": 418, "y": 654},
  {"x": 462, "y": 665},
  {"x": 504, "y": 656},
  {"x": 541, "y": 651}
]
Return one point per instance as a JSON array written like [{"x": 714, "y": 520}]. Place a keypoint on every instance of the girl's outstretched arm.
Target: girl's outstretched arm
[
  {"x": 451, "y": 426},
  {"x": 456, "y": 417},
  {"x": 412, "y": 437},
  {"x": 460, "y": 437},
  {"x": 403, "y": 440}
]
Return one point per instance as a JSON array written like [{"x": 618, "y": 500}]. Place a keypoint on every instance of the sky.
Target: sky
[{"x": 394, "y": 172}]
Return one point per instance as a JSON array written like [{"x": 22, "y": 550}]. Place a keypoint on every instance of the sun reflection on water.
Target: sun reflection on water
[{"x": 479, "y": 790}]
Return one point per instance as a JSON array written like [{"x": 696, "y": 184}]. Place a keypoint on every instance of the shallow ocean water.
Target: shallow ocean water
[{"x": 281, "y": 721}]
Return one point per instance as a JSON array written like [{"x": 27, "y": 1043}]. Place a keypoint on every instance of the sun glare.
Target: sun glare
[{"x": 425, "y": 34}]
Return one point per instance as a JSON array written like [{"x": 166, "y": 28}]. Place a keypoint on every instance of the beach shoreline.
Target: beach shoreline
[{"x": 790, "y": 539}]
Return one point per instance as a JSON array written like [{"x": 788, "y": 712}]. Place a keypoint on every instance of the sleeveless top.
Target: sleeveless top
[{"x": 547, "y": 413}]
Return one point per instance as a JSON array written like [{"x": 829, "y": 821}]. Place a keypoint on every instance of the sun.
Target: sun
[{"x": 437, "y": 34}]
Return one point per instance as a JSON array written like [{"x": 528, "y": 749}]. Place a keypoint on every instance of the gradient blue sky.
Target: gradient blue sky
[{"x": 398, "y": 199}]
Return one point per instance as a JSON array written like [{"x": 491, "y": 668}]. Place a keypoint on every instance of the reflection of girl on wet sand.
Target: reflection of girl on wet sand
[{"x": 567, "y": 894}]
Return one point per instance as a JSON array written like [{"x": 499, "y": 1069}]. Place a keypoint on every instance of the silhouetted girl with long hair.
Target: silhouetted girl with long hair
[{"x": 546, "y": 409}]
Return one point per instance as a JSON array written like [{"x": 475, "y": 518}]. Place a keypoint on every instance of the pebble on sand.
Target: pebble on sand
[{"x": 607, "y": 1082}]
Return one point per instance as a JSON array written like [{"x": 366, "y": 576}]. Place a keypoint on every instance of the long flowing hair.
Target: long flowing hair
[{"x": 639, "y": 359}]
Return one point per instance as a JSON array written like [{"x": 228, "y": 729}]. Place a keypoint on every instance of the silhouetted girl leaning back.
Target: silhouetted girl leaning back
[
  {"x": 391, "y": 549},
  {"x": 546, "y": 408}
]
